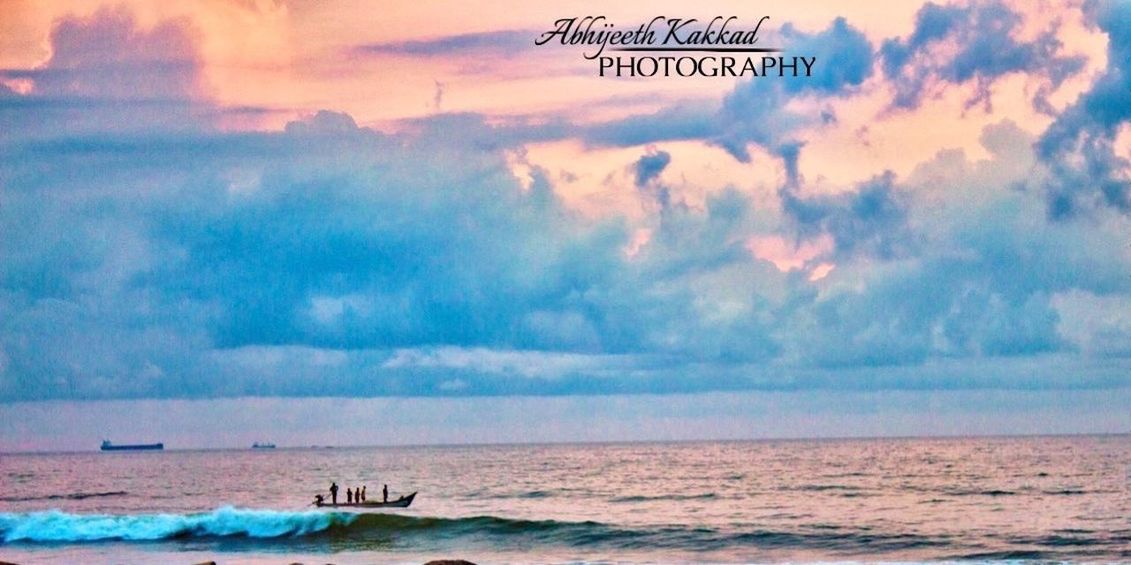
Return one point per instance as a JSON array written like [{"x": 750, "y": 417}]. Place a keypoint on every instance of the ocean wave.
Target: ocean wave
[
  {"x": 70, "y": 496},
  {"x": 343, "y": 528},
  {"x": 1004, "y": 555},
  {"x": 54, "y": 526},
  {"x": 339, "y": 530},
  {"x": 984, "y": 492},
  {"x": 531, "y": 494},
  {"x": 1065, "y": 492},
  {"x": 679, "y": 497},
  {"x": 822, "y": 488}
]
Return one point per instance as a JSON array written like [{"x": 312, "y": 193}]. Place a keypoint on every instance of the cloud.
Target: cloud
[
  {"x": 108, "y": 56},
  {"x": 477, "y": 55},
  {"x": 1097, "y": 324},
  {"x": 843, "y": 54},
  {"x": 674, "y": 123},
  {"x": 757, "y": 110},
  {"x": 870, "y": 219},
  {"x": 1086, "y": 170},
  {"x": 952, "y": 263},
  {"x": 503, "y": 43},
  {"x": 978, "y": 42},
  {"x": 105, "y": 74},
  {"x": 182, "y": 260},
  {"x": 650, "y": 165}
]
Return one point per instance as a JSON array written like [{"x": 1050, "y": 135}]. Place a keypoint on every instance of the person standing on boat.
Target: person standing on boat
[
  {"x": 385, "y": 493},
  {"x": 334, "y": 493},
  {"x": 349, "y": 496},
  {"x": 363, "y": 493}
]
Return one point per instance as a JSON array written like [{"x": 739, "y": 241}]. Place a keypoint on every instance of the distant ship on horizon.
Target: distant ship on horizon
[
  {"x": 258, "y": 445},
  {"x": 107, "y": 445}
]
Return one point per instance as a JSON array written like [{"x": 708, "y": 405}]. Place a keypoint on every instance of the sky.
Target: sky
[{"x": 329, "y": 223}]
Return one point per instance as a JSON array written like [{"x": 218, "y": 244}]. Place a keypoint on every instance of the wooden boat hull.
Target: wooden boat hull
[{"x": 401, "y": 502}]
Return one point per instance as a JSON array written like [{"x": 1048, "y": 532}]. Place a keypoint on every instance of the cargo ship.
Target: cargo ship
[{"x": 107, "y": 446}]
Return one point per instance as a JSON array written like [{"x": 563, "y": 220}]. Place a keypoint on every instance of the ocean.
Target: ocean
[{"x": 984, "y": 499}]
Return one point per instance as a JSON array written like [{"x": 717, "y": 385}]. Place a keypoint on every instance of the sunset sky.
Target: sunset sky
[{"x": 404, "y": 222}]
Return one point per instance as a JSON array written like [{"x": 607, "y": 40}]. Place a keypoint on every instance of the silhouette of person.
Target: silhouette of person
[
  {"x": 318, "y": 500},
  {"x": 385, "y": 493},
  {"x": 334, "y": 493},
  {"x": 363, "y": 493},
  {"x": 349, "y": 496}
]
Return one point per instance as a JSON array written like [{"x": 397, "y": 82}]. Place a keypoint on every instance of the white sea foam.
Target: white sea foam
[{"x": 56, "y": 526}]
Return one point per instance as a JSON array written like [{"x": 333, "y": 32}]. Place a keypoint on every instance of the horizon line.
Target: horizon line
[{"x": 610, "y": 442}]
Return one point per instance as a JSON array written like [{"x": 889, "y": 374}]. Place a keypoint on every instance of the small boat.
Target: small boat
[
  {"x": 401, "y": 502},
  {"x": 258, "y": 445},
  {"x": 108, "y": 446}
]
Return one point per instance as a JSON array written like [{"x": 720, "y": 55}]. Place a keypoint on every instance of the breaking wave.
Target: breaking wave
[
  {"x": 56, "y": 526},
  {"x": 228, "y": 522},
  {"x": 279, "y": 529}
]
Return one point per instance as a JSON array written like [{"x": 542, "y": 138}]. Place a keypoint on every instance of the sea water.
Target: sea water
[{"x": 1046, "y": 498}]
